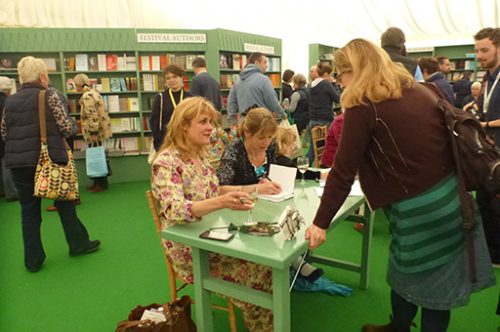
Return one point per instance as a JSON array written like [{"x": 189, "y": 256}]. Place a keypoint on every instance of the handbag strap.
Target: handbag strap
[
  {"x": 41, "y": 116},
  {"x": 42, "y": 119},
  {"x": 161, "y": 110}
]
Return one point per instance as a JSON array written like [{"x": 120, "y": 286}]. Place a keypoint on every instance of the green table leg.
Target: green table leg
[
  {"x": 281, "y": 300},
  {"x": 203, "y": 304},
  {"x": 368, "y": 217}
]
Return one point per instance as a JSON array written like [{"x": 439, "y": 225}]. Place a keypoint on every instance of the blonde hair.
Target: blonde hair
[
  {"x": 83, "y": 81},
  {"x": 284, "y": 137},
  {"x": 30, "y": 69},
  {"x": 375, "y": 77},
  {"x": 183, "y": 114},
  {"x": 5, "y": 84},
  {"x": 258, "y": 120},
  {"x": 476, "y": 85}
]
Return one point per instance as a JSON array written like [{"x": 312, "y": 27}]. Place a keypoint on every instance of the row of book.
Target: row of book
[
  {"x": 100, "y": 62},
  {"x": 462, "y": 64},
  {"x": 235, "y": 61},
  {"x": 114, "y": 104},
  {"x": 455, "y": 75},
  {"x": 125, "y": 144},
  {"x": 158, "y": 62},
  {"x": 156, "y": 82},
  {"x": 126, "y": 125},
  {"x": 228, "y": 80},
  {"x": 107, "y": 84}
]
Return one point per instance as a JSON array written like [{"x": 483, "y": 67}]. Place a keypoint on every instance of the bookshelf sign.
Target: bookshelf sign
[
  {"x": 258, "y": 48},
  {"x": 184, "y": 38}
]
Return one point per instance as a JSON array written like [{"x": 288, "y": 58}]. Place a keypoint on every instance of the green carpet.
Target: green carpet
[{"x": 96, "y": 291}]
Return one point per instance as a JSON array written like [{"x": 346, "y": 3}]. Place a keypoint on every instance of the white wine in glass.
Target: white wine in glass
[
  {"x": 303, "y": 165},
  {"x": 250, "y": 201}
]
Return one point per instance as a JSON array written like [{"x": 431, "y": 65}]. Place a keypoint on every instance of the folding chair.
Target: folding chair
[{"x": 172, "y": 276}]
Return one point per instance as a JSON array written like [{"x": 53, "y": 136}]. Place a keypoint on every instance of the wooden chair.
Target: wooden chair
[
  {"x": 318, "y": 135},
  {"x": 172, "y": 276}
]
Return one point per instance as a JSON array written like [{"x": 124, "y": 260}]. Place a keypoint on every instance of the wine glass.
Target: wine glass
[
  {"x": 250, "y": 201},
  {"x": 303, "y": 165}
]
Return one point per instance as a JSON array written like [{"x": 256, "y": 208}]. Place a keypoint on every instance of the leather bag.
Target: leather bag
[
  {"x": 177, "y": 314},
  {"x": 53, "y": 181}
]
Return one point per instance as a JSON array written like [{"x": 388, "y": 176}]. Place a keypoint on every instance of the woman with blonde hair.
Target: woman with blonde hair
[
  {"x": 21, "y": 132},
  {"x": 186, "y": 188},
  {"x": 247, "y": 159},
  {"x": 388, "y": 117},
  {"x": 95, "y": 122}
]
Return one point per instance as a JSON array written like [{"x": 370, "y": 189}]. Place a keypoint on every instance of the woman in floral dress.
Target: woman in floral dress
[{"x": 186, "y": 187}]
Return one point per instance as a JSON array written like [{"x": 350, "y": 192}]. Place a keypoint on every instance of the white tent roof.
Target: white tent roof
[{"x": 425, "y": 22}]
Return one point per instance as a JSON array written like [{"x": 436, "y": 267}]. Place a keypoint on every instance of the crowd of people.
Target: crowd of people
[{"x": 199, "y": 168}]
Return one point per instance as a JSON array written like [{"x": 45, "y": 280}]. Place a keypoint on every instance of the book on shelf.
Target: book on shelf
[
  {"x": 123, "y": 84},
  {"x": 275, "y": 80},
  {"x": 163, "y": 61},
  {"x": 129, "y": 144},
  {"x": 144, "y": 64},
  {"x": 146, "y": 125},
  {"x": 133, "y": 104},
  {"x": 123, "y": 104},
  {"x": 105, "y": 84},
  {"x": 223, "y": 61},
  {"x": 120, "y": 63},
  {"x": 189, "y": 60},
  {"x": 50, "y": 63},
  {"x": 112, "y": 103},
  {"x": 93, "y": 64},
  {"x": 81, "y": 62},
  {"x": 7, "y": 64},
  {"x": 155, "y": 62},
  {"x": 70, "y": 85},
  {"x": 72, "y": 106},
  {"x": 69, "y": 63},
  {"x": 237, "y": 62},
  {"x": 115, "y": 84},
  {"x": 180, "y": 60},
  {"x": 101, "y": 62},
  {"x": 274, "y": 64},
  {"x": 455, "y": 76},
  {"x": 130, "y": 62},
  {"x": 111, "y": 62}
]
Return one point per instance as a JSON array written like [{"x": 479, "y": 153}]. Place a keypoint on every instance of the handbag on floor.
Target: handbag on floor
[
  {"x": 176, "y": 315},
  {"x": 53, "y": 181},
  {"x": 95, "y": 160}
]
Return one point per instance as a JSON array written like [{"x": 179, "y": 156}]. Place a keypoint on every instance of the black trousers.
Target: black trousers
[
  {"x": 76, "y": 234},
  {"x": 489, "y": 207}
]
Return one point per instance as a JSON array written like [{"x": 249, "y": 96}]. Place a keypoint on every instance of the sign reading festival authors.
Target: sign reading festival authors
[{"x": 184, "y": 38}]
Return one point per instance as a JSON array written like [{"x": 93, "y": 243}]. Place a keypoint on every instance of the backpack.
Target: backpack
[{"x": 475, "y": 153}]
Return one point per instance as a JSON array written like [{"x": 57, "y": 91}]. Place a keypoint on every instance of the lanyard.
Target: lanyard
[
  {"x": 173, "y": 99},
  {"x": 487, "y": 95}
]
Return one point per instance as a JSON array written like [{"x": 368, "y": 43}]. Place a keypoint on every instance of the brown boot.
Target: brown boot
[{"x": 384, "y": 328}]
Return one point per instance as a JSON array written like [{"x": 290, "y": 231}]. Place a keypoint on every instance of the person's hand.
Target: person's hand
[
  {"x": 267, "y": 187},
  {"x": 235, "y": 200},
  {"x": 315, "y": 235}
]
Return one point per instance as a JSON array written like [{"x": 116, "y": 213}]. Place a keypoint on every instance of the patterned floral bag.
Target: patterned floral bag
[{"x": 53, "y": 181}]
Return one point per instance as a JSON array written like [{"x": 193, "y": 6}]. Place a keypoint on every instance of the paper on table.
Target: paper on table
[
  {"x": 355, "y": 189},
  {"x": 285, "y": 176}
]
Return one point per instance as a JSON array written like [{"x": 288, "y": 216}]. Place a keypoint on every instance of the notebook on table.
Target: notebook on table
[{"x": 285, "y": 176}]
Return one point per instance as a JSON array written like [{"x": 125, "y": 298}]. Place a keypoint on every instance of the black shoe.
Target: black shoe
[
  {"x": 90, "y": 247},
  {"x": 36, "y": 267}
]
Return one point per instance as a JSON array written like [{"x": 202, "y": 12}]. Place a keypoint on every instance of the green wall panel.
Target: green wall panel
[
  {"x": 233, "y": 41},
  {"x": 451, "y": 52}
]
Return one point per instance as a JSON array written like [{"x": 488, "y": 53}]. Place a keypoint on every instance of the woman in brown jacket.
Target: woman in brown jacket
[
  {"x": 395, "y": 138},
  {"x": 96, "y": 125}
]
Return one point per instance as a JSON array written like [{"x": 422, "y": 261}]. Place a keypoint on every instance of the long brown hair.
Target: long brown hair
[
  {"x": 184, "y": 113},
  {"x": 374, "y": 76}
]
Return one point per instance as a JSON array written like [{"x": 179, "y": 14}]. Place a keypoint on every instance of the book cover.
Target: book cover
[
  {"x": 130, "y": 63},
  {"x": 123, "y": 103},
  {"x": 236, "y": 62},
  {"x": 51, "y": 64},
  {"x": 163, "y": 61},
  {"x": 113, "y": 103},
  {"x": 133, "y": 83},
  {"x": 116, "y": 125},
  {"x": 106, "y": 87},
  {"x": 72, "y": 106},
  {"x": 6, "y": 64},
  {"x": 144, "y": 64},
  {"x": 180, "y": 60},
  {"x": 70, "y": 85},
  {"x": 120, "y": 63},
  {"x": 93, "y": 64},
  {"x": 111, "y": 62},
  {"x": 133, "y": 104},
  {"x": 70, "y": 63},
  {"x": 101, "y": 62},
  {"x": 123, "y": 85},
  {"x": 223, "y": 61},
  {"x": 115, "y": 84},
  {"x": 93, "y": 83},
  {"x": 81, "y": 62},
  {"x": 155, "y": 62},
  {"x": 189, "y": 61}
]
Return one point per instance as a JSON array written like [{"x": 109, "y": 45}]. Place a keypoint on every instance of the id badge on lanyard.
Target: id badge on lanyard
[{"x": 487, "y": 95}]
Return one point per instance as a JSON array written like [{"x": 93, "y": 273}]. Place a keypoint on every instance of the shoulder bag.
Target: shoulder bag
[{"x": 53, "y": 181}]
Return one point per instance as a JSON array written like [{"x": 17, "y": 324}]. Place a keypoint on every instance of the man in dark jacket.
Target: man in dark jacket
[
  {"x": 462, "y": 88},
  {"x": 393, "y": 42},
  {"x": 204, "y": 85},
  {"x": 430, "y": 70}
]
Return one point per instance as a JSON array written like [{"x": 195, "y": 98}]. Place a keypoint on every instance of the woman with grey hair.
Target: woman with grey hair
[
  {"x": 473, "y": 103},
  {"x": 20, "y": 129}
]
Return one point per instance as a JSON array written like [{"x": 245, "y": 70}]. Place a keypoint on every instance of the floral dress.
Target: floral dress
[{"x": 176, "y": 184}]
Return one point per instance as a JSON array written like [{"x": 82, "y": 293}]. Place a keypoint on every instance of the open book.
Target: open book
[{"x": 285, "y": 176}]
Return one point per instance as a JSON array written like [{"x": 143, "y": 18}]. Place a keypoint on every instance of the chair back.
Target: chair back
[
  {"x": 318, "y": 135},
  {"x": 171, "y": 272}
]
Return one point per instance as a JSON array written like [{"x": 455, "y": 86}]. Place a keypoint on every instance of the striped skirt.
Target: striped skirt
[{"x": 428, "y": 265}]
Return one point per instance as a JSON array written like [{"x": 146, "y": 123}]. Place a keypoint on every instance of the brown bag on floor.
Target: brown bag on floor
[{"x": 178, "y": 315}]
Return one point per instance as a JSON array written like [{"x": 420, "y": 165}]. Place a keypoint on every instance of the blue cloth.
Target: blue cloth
[{"x": 321, "y": 284}]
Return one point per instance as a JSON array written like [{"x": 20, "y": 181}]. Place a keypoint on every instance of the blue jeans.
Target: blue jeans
[{"x": 31, "y": 216}]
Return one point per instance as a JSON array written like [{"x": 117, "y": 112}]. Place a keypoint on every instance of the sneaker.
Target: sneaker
[
  {"x": 91, "y": 247},
  {"x": 51, "y": 208}
]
